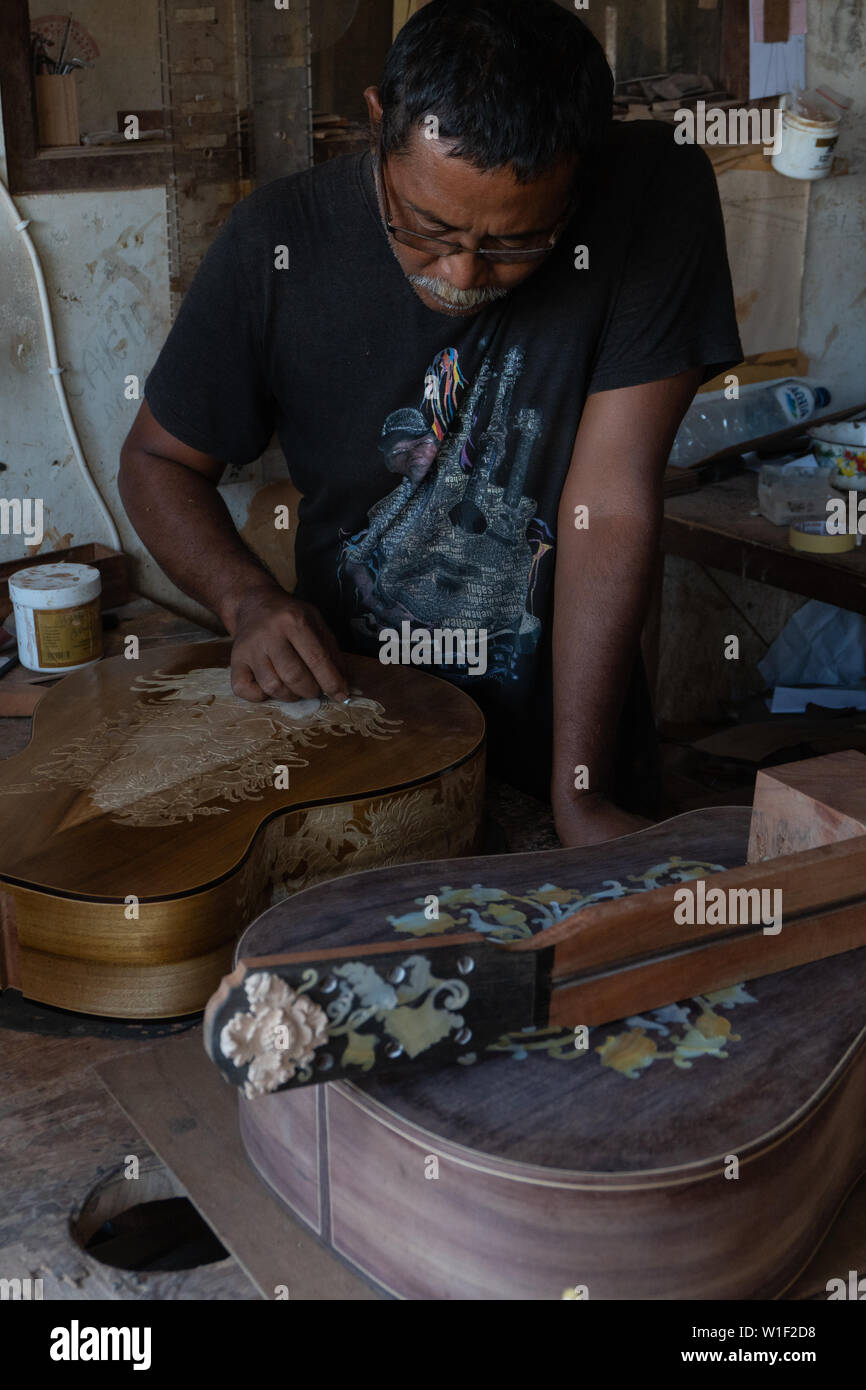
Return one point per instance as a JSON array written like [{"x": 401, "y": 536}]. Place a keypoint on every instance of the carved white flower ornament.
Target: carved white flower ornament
[{"x": 280, "y": 1033}]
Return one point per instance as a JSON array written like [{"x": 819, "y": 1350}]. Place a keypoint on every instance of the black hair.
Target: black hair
[{"x": 518, "y": 83}]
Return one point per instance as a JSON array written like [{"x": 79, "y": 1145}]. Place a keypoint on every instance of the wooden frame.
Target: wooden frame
[
  {"x": 32, "y": 170},
  {"x": 734, "y": 62}
]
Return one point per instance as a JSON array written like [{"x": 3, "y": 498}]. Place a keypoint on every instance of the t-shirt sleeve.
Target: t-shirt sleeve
[
  {"x": 208, "y": 387},
  {"x": 674, "y": 306}
]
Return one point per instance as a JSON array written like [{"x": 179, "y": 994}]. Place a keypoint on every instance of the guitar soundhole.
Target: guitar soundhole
[{"x": 144, "y": 1223}]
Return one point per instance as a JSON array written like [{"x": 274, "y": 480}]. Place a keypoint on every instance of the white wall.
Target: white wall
[
  {"x": 833, "y": 322},
  {"x": 105, "y": 261}
]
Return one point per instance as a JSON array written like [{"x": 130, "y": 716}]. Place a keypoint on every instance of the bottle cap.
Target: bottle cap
[{"x": 822, "y": 397}]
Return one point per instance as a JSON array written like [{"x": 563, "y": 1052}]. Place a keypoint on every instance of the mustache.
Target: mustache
[{"x": 461, "y": 299}]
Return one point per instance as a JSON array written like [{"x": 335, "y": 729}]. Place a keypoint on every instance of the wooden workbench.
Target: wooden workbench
[{"x": 719, "y": 526}]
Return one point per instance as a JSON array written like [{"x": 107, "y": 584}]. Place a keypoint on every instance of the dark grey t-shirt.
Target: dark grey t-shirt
[{"x": 361, "y": 381}]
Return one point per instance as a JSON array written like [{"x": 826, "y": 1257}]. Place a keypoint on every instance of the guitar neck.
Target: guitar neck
[{"x": 279, "y": 1020}]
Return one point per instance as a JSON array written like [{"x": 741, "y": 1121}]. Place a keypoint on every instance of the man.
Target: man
[{"x": 545, "y": 291}]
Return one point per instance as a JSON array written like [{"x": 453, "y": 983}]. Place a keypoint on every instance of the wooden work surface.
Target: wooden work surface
[
  {"x": 715, "y": 526},
  {"x": 153, "y": 626}
]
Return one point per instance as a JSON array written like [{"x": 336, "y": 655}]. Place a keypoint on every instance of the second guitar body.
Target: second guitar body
[{"x": 154, "y": 814}]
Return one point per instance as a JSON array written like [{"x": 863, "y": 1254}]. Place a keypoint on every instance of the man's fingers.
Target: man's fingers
[
  {"x": 314, "y": 644},
  {"x": 327, "y": 672},
  {"x": 244, "y": 683},
  {"x": 283, "y": 677},
  {"x": 293, "y": 656}
]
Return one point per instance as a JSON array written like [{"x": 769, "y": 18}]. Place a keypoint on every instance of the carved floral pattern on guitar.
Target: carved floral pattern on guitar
[
  {"x": 432, "y": 822},
  {"x": 284, "y": 1032},
  {"x": 508, "y": 916},
  {"x": 198, "y": 748}
]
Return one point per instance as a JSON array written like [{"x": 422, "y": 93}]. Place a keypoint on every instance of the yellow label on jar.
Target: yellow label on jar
[{"x": 68, "y": 636}]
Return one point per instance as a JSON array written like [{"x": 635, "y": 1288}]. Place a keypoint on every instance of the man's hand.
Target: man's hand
[
  {"x": 590, "y": 819},
  {"x": 283, "y": 649}
]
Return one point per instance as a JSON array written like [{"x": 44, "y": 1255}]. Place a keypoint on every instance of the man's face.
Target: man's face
[
  {"x": 430, "y": 193},
  {"x": 412, "y": 457}
]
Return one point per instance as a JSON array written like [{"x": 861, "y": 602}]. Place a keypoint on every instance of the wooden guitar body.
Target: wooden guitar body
[
  {"x": 154, "y": 814},
  {"x": 701, "y": 1151}
]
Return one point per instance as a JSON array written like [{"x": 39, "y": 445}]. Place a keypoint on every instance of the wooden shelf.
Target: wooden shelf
[{"x": 90, "y": 151}]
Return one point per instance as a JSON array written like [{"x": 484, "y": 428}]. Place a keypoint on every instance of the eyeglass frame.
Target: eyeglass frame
[{"x": 455, "y": 248}]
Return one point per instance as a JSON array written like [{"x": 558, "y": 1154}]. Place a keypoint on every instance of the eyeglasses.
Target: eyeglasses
[{"x": 436, "y": 247}]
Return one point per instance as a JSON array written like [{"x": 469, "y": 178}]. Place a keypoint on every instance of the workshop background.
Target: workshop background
[{"x": 232, "y": 94}]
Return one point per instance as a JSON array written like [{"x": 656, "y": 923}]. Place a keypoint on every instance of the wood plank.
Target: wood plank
[
  {"x": 734, "y": 65},
  {"x": 814, "y": 882},
  {"x": 176, "y": 1098},
  {"x": 777, "y": 21},
  {"x": 717, "y": 965},
  {"x": 802, "y": 805},
  {"x": 62, "y": 1133}
]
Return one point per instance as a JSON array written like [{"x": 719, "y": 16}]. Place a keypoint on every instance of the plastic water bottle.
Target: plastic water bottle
[{"x": 713, "y": 423}]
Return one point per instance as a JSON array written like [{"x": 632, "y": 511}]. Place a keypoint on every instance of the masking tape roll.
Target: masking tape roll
[{"x": 813, "y": 536}]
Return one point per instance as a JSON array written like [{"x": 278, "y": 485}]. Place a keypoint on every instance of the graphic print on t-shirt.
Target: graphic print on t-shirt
[{"x": 457, "y": 544}]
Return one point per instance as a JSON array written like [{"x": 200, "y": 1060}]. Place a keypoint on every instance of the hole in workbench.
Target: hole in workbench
[{"x": 144, "y": 1223}]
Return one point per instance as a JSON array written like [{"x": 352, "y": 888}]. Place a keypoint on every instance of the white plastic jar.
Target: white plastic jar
[
  {"x": 58, "y": 623},
  {"x": 808, "y": 142}
]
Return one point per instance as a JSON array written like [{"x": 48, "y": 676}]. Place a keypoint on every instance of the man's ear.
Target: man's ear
[{"x": 374, "y": 109}]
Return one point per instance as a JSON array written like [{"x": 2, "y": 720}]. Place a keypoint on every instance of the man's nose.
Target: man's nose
[{"x": 464, "y": 270}]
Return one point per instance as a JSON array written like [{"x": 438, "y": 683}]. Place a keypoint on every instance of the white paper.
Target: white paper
[
  {"x": 819, "y": 645},
  {"x": 775, "y": 67},
  {"x": 793, "y": 699}
]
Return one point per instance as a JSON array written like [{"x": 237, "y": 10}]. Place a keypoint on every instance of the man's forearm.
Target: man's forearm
[
  {"x": 603, "y": 581},
  {"x": 185, "y": 524}
]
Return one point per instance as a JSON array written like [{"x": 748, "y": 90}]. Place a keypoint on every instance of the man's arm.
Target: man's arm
[
  {"x": 602, "y": 587},
  {"x": 282, "y": 647}
]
